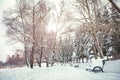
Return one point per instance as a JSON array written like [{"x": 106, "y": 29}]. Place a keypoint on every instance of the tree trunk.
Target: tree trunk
[
  {"x": 32, "y": 57},
  {"x": 40, "y": 59},
  {"x": 37, "y": 59},
  {"x": 47, "y": 64},
  {"x": 26, "y": 56},
  {"x": 82, "y": 59},
  {"x": 33, "y": 36},
  {"x": 94, "y": 51},
  {"x": 87, "y": 59}
]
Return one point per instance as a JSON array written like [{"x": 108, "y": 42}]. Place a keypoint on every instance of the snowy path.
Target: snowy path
[{"x": 60, "y": 73}]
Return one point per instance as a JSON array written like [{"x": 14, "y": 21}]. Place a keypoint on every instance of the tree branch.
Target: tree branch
[{"x": 114, "y": 5}]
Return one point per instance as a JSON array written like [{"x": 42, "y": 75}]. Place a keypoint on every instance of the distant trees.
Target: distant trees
[
  {"x": 62, "y": 21},
  {"x": 82, "y": 42},
  {"x": 2, "y": 64},
  {"x": 16, "y": 59},
  {"x": 65, "y": 48}
]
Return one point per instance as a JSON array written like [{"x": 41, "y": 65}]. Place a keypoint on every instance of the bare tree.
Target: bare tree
[
  {"x": 62, "y": 22},
  {"x": 17, "y": 18},
  {"x": 88, "y": 11},
  {"x": 26, "y": 23}
]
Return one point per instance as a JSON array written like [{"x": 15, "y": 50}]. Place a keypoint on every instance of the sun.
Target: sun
[{"x": 51, "y": 27}]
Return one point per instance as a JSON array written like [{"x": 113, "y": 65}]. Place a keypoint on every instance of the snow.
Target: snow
[
  {"x": 66, "y": 72},
  {"x": 117, "y": 2},
  {"x": 98, "y": 63}
]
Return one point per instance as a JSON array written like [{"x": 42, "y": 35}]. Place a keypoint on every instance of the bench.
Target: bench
[{"x": 97, "y": 65}]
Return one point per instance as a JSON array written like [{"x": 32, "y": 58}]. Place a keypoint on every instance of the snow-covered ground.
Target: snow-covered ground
[{"x": 65, "y": 72}]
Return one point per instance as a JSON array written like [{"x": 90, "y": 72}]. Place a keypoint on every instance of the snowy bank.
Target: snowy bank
[{"x": 112, "y": 72}]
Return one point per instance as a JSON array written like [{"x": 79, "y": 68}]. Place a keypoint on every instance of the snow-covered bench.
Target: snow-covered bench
[{"x": 97, "y": 65}]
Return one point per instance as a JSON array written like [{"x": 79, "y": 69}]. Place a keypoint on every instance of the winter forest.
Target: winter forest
[{"x": 63, "y": 32}]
